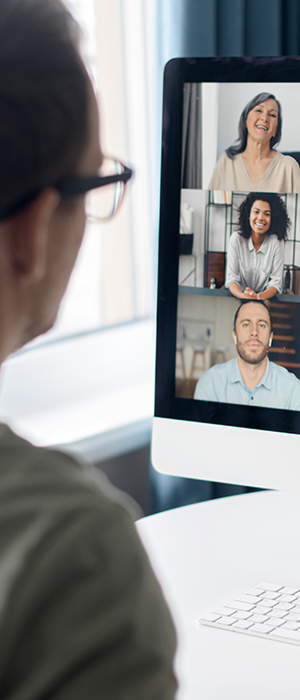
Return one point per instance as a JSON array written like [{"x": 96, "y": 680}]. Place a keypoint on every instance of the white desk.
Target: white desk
[{"x": 203, "y": 555}]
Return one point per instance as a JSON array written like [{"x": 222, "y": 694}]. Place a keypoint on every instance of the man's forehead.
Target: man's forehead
[{"x": 250, "y": 313}]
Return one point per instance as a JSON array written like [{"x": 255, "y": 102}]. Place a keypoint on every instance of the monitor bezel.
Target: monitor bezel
[{"x": 167, "y": 404}]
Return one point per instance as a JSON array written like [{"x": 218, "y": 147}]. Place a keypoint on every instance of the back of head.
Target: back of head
[{"x": 43, "y": 98}]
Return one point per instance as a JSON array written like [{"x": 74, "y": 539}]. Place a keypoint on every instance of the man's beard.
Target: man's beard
[{"x": 247, "y": 356}]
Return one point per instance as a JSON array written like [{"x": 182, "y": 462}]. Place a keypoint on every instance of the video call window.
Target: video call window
[{"x": 239, "y": 231}]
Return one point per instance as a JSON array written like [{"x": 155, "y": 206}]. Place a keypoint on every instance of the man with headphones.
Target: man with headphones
[{"x": 251, "y": 378}]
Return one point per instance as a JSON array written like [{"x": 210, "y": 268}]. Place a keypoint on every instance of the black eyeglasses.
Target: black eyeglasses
[{"x": 105, "y": 190}]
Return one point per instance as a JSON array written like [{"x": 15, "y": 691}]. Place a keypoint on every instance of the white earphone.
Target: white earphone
[
  {"x": 235, "y": 340},
  {"x": 270, "y": 342}
]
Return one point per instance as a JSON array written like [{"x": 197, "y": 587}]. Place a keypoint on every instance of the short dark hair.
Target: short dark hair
[
  {"x": 280, "y": 221},
  {"x": 241, "y": 142},
  {"x": 43, "y": 97},
  {"x": 251, "y": 301}
]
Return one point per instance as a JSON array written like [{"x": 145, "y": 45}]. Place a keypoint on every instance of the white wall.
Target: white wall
[{"x": 207, "y": 320}]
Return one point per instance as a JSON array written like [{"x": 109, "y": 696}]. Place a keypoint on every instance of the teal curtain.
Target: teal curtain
[
  {"x": 228, "y": 27},
  {"x": 216, "y": 28}
]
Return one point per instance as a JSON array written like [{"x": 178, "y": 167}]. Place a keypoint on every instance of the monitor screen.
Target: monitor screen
[{"x": 228, "y": 325}]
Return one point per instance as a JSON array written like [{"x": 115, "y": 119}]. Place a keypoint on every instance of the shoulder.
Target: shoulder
[
  {"x": 236, "y": 239},
  {"x": 216, "y": 371},
  {"x": 287, "y": 162},
  {"x": 273, "y": 242},
  {"x": 223, "y": 164},
  {"x": 54, "y": 481},
  {"x": 226, "y": 163},
  {"x": 224, "y": 175},
  {"x": 85, "y": 577},
  {"x": 213, "y": 382},
  {"x": 284, "y": 374},
  {"x": 65, "y": 498}
]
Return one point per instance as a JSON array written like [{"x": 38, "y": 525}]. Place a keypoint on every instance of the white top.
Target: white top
[
  {"x": 282, "y": 175},
  {"x": 255, "y": 269}
]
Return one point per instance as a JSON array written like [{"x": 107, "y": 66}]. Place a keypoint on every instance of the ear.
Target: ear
[
  {"x": 234, "y": 337},
  {"x": 29, "y": 232}
]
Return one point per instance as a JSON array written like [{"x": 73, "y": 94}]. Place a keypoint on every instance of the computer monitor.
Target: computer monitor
[{"x": 225, "y": 436}]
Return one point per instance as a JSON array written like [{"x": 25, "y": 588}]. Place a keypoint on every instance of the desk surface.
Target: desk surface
[{"x": 205, "y": 554}]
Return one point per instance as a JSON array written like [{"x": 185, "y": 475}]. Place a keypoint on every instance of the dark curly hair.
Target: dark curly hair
[
  {"x": 241, "y": 142},
  {"x": 280, "y": 222}
]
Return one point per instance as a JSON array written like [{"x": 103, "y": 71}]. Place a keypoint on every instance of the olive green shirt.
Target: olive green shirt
[{"x": 82, "y": 616}]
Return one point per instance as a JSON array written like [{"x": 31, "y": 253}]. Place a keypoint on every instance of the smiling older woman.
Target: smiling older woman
[
  {"x": 252, "y": 163},
  {"x": 256, "y": 251}
]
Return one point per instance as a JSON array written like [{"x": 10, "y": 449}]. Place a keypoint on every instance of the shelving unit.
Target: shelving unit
[{"x": 215, "y": 261}]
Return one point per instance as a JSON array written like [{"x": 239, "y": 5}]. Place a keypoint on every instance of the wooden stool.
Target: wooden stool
[
  {"x": 180, "y": 357},
  {"x": 198, "y": 351},
  {"x": 220, "y": 354}
]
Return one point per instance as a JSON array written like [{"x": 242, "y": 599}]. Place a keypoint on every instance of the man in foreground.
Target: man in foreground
[
  {"x": 82, "y": 616},
  {"x": 250, "y": 378}
]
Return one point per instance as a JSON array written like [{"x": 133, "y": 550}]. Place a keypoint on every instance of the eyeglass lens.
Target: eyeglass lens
[{"x": 103, "y": 202}]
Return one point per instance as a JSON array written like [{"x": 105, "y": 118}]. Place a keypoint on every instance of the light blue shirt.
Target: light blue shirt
[
  {"x": 255, "y": 269},
  {"x": 277, "y": 389}
]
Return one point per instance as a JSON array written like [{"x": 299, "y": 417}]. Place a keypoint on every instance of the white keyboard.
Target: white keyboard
[{"x": 267, "y": 610}]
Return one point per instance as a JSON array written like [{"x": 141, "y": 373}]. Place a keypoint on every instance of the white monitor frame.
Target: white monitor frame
[{"x": 216, "y": 442}]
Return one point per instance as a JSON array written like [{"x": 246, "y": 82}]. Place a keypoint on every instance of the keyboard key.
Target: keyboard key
[
  {"x": 254, "y": 591},
  {"x": 276, "y": 622},
  {"x": 270, "y": 586},
  {"x": 279, "y": 613},
  {"x": 262, "y": 610},
  {"x": 241, "y": 615},
  {"x": 226, "y": 621},
  {"x": 223, "y": 610},
  {"x": 290, "y": 625},
  {"x": 262, "y": 629},
  {"x": 289, "y": 591},
  {"x": 286, "y": 634},
  {"x": 210, "y": 617},
  {"x": 270, "y": 594},
  {"x": 241, "y": 606},
  {"x": 292, "y": 617},
  {"x": 242, "y": 624},
  {"x": 284, "y": 606},
  {"x": 270, "y": 603},
  {"x": 248, "y": 599},
  {"x": 258, "y": 618},
  {"x": 286, "y": 598}
]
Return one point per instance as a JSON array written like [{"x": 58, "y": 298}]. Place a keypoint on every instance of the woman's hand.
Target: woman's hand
[
  {"x": 251, "y": 294},
  {"x": 235, "y": 289},
  {"x": 260, "y": 296}
]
